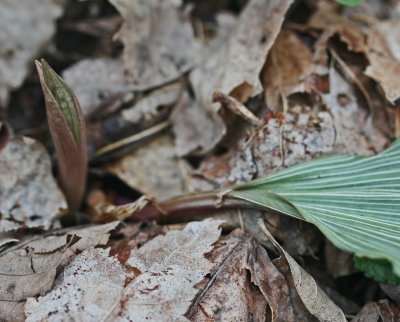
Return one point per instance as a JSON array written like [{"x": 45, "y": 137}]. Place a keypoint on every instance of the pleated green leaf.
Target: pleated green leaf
[
  {"x": 350, "y": 2},
  {"x": 354, "y": 201}
]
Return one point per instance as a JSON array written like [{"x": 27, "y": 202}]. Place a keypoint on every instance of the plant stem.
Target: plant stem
[{"x": 187, "y": 206}]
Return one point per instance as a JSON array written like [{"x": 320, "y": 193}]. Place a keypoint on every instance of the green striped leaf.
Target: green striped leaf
[
  {"x": 350, "y": 2},
  {"x": 354, "y": 201}
]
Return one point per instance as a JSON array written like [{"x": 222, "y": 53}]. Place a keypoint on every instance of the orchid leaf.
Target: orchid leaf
[
  {"x": 354, "y": 201},
  {"x": 350, "y": 2},
  {"x": 65, "y": 98},
  {"x": 68, "y": 131}
]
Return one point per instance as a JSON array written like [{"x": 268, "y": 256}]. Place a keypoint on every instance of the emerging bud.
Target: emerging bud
[{"x": 68, "y": 131}]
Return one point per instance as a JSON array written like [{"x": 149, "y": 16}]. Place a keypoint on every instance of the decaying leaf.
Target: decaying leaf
[
  {"x": 235, "y": 66},
  {"x": 26, "y": 27},
  {"x": 170, "y": 267},
  {"x": 288, "y": 64},
  {"x": 153, "y": 169},
  {"x": 159, "y": 41},
  {"x": 382, "y": 310},
  {"x": 226, "y": 293},
  {"x": 383, "y": 48},
  {"x": 196, "y": 129},
  {"x": 29, "y": 269},
  {"x": 314, "y": 299},
  {"x": 85, "y": 291},
  {"x": 98, "y": 82},
  {"x": 29, "y": 196}
]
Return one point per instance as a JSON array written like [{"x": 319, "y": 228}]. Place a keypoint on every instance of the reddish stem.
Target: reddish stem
[{"x": 187, "y": 206}]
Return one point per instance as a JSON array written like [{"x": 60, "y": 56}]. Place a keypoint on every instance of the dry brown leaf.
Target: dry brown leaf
[
  {"x": 312, "y": 296},
  {"x": 170, "y": 267},
  {"x": 29, "y": 271},
  {"x": 29, "y": 268},
  {"x": 288, "y": 64},
  {"x": 239, "y": 60},
  {"x": 272, "y": 284},
  {"x": 86, "y": 289},
  {"x": 226, "y": 294},
  {"x": 153, "y": 169},
  {"x": 382, "y": 310},
  {"x": 26, "y": 26},
  {"x": 98, "y": 82},
  {"x": 29, "y": 195},
  {"x": 159, "y": 41},
  {"x": 383, "y": 52},
  {"x": 328, "y": 19}
]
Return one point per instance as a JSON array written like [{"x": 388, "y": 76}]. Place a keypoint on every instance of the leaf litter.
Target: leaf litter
[{"x": 248, "y": 91}]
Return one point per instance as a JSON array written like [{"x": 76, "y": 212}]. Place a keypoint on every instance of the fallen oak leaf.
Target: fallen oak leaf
[
  {"x": 314, "y": 299},
  {"x": 33, "y": 273},
  {"x": 170, "y": 267},
  {"x": 85, "y": 289},
  {"x": 29, "y": 268}
]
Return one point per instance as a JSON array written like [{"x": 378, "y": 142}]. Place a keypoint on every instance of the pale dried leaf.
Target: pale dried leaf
[
  {"x": 153, "y": 169},
  {"x": 196, "y": 129},
  {"x": 28, "y": 272},
  {"x": 97, "y": 82},
  {"x": 93, "y": 236},
  {"x": 26, "y": 26},
  {"x": 159, "y": 41},
  {"x": 383, "y": 54},
  {"x": 30, "y": 268},
  {"x": 85, "y": 290},
  {"x": 227, "y": 294},
  {"x": 170, "y": 267},
  {"x": 148, "y": 106},
  {"x": 239, "y": 60},
  {"x": 29, "y": 195},
  {"x": 314, "y": 299}
]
